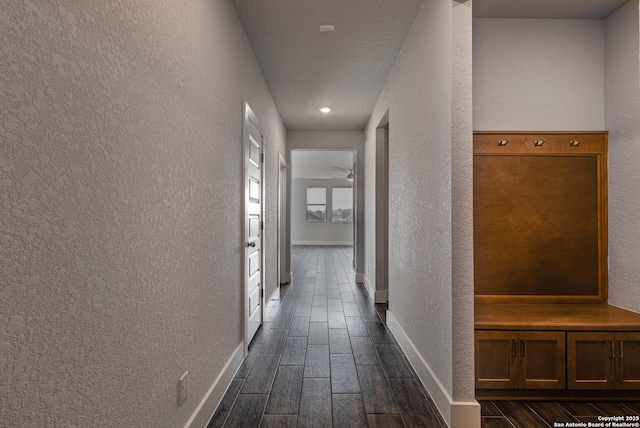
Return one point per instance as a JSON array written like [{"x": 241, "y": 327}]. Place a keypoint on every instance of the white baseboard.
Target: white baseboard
[
  {"x": 381, "y": 296},
  {"x": 274, "y": 296},
  {"x": 465, "y": 414},
  {"x": 360, "y": 278},
  {"x": 368, "y": 286},
  {"x": 349, "y": 243},
  {"x": 455, "y": 414},
  {"x": 213, "y": 397},
  {"x": 286, "y": 278},
  {"x": 270, "y": 303}
]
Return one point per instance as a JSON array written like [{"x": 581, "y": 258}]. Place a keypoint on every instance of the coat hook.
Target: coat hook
[
  {"x": 503, "y": 143},
  {"x": 539, "y": 143},
  {"x": 575, "y": 143}
]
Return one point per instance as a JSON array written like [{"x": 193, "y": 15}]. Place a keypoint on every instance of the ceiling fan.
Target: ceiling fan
[{"x": 348, "y": 177}]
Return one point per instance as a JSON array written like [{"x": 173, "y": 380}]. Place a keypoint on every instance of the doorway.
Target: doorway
[
  {"x": 284, "y": 273},
  {"x": 322, "y": 195},
  {"x": 382, "y": 211}
]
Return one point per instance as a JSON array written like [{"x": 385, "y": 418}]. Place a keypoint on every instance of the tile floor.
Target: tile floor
[
  {"x": 324, "y": 358},
  {"x": 521, "y": 414}
]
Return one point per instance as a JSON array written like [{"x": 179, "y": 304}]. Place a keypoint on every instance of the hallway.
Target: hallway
[{"x": 323, "y": 358}]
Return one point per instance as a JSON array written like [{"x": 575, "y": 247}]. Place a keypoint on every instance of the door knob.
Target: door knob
[{"x": 251, "y": 244}]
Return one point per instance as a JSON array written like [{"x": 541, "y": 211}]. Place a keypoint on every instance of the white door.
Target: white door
[{"x": 253, "y": 226}]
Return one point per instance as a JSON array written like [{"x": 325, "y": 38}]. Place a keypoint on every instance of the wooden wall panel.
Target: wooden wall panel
[{"x": 540, "y": 217}]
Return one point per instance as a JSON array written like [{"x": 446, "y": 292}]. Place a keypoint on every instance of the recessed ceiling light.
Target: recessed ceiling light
[
  {"x": 327, "y": 27},
  {"x": 325, "y": 109}
]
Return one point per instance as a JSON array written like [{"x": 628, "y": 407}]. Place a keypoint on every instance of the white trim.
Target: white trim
[
  {"x": 349, "y": 243},
  {"x": 368, "y": 287},
  {"x": 270, "y": 303},
  {"x": 286, "y": 277},
  {"x": 465, "y": 414},
  {"x": 283, "y": 253},
  {"x": 323, "y": 178},
  {"x": 274, "y": 296},
  {"x": 455, "y": 414},
  {"x": 360, "y": 278},
  {"x": 381, "y": 296},
  {"x": 213, "y": 397}
]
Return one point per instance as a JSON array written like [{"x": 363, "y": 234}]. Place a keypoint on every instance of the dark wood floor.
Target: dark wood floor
[
  {"x": 324, "y": 358},
  {"x": 520, "y": 414}
]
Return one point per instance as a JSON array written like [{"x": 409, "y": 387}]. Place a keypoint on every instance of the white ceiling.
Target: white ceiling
[
  {"x": 346, "y": 69},
  {"x": 560, "y": 9},
  {"x": 321, "y": 163},
  {"x": 306, "y": 69}
]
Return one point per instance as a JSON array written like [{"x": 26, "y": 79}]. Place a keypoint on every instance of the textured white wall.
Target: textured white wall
[
  {"x": 538, "y": 74},
  {"x": 424, "y": 94},
  {"x": 301, "y": 229},
  {"x": 622, "y": 120},
  {"x": 462, "y": 281},
  {"x": 120, "y": 224},
  {"x": 335, "y": 140}
]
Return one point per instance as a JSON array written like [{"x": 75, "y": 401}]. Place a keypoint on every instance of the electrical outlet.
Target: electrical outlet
[{"x": 183, "y": 385}]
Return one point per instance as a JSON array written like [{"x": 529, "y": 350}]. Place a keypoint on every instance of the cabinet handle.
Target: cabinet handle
[
  {"x": 621, "y": 354},
  {"x": 513, "y": 348},
  {"x": 522, "y": 348},
  {"x": 612, "y": 353}
]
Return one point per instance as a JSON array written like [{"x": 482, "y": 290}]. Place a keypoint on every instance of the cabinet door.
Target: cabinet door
[
  {"x": 496, "y": 359},
  {"x": 590, "y": 360},
  {"x": 628, "y": 360},
  {"x": 542, "y": 360}
]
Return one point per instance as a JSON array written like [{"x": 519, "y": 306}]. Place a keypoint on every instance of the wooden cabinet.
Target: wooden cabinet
[
  {"x": 528, "y": 351},
  {"x": 590, "y": 363},
  {"x": 543, "y": 326},
  {"x": 542, "y": 358},
  {"x": 496, "y": 359},
  {"x": 523, "y": 360},
  {"x": 603, "y": 360},
  {"x": 628, "y": 360}
]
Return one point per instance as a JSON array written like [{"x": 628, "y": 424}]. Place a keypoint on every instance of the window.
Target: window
[
  {"x": 316, "y": 204},
  {"x": 342, "y": 200}
]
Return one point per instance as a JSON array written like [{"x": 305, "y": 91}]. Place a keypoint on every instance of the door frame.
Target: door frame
[
  {"x": 354, "y": 171},
  {"x": 354, "y": 152},
  {"x": 249, "y": 115},
  {"x": 382, "y": 211},
  {"x": 283, "y": 277}
]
